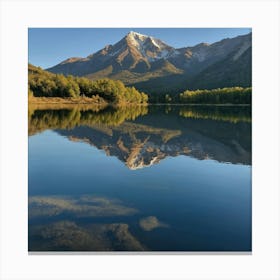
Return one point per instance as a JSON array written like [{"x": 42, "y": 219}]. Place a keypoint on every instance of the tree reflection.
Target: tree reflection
[
  {"x": 67, "y": 118},
  {"x": 219, "y": 113}
]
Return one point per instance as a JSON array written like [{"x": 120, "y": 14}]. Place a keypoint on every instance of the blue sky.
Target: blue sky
[{"x": 49, "y": 46}]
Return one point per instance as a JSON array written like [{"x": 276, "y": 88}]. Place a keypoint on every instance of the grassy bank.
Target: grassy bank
[{"x": 68, "y": 100}]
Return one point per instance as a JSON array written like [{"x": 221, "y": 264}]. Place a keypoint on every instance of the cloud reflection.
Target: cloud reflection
[
  {"x": 82, "y": 206},
  {"x": 69, "y": 236},
  {"x": 151, "y": 223}
]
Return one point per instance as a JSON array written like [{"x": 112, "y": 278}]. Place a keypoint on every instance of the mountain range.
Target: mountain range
[{"x": 151, "y": 65}]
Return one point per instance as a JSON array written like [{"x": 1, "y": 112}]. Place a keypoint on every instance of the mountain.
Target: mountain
[
  {"x": 235, "y": 69},
  {"x": 150, "y": 64}
]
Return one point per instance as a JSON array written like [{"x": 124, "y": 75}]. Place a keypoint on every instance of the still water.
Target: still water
[{"x": 157, "y": 178}]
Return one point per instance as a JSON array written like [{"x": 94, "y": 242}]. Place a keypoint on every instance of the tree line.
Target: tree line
[
  {"x": 232, "y": 95},
  {"x": 45, "y": 84}
]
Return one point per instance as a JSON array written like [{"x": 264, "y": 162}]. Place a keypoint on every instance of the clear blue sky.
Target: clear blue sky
[{"x": 49, "y": 46}]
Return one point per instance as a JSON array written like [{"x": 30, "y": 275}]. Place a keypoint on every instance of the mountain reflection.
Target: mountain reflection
[{"x": 141, "y": 136}]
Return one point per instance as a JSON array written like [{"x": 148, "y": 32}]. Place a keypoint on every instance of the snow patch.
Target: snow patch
[
  {"x": 200, "y": 56},
  {"x": 163, "y": 54},
  {"x": 243, "y": 49},
  {"x": 154, "y": 42},
  {"x": 140, "y": 42},
  {"x": 115, "y": 52}
]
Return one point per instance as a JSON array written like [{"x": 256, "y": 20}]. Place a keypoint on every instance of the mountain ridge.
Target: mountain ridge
[{"x": 138, "y": 59}]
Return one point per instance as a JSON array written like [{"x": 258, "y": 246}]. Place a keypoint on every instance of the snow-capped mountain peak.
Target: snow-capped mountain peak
[
  {"x": 140, "y": 39},
  {"x": 137, "y": 35},
  {"x": 149, "y": 47}
]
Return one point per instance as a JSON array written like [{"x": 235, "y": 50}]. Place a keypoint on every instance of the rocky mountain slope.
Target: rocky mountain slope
[{"x": 149, "y": 63}]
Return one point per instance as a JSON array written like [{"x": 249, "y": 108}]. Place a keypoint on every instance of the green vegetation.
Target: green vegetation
[
  {"x": 44, "y": 84},
  {"x": 234, "y": 95}
]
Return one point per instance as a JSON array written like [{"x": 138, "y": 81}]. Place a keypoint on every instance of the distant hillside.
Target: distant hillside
[
  {"x": 152, "y": 65},
  {"x": 235, "y": 69}
]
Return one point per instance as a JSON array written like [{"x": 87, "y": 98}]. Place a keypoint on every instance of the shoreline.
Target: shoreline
[
  {"x": 76, "y": 101},
  {"x": 58, "y": 100},
  {"x": 89, "y": 101},
  {"x": 198, "y": 104}
]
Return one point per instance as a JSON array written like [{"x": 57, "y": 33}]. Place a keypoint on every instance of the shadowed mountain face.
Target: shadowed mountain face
[
  {"x": 143, "y": 136},
  {"x": 149, "y": 63}
]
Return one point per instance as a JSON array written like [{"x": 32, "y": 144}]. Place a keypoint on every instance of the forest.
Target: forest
[
  {"x": 231, "y": 95},
  {"x": 45, "y": 84}
]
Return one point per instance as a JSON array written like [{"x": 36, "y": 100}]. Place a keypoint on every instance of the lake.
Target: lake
[{"x": 154, "y": 178}]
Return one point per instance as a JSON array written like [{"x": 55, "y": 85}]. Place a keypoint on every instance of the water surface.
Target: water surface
[{"x": 157, "y": 178}]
